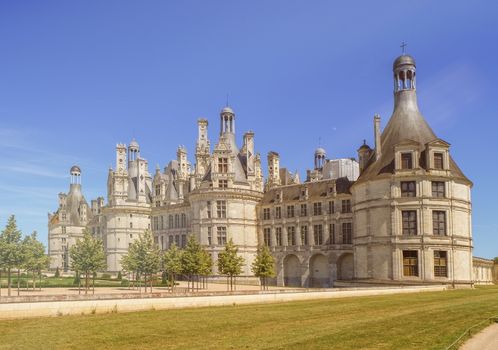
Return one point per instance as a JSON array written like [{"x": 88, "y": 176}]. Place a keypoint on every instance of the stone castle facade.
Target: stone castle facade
[{"x": 401, "y": 213}]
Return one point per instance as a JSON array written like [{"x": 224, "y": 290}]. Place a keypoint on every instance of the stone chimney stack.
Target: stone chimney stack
[{"x": 377, "y": 133}]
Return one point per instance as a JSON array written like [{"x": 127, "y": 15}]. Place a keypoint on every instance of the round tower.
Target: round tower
[
  {"x": 320, "y": 156},
  {"x": 227, "y": 121},
  {"x": 75, "y": 173},
  {"x": 133, "y": 150}
]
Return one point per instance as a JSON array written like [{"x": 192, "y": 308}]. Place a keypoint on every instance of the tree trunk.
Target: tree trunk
[
  {"x": 93, "y": 285},
  {"x": 0, "y": 282},
  {"x": 9, "y": 281},
  {"x": 86, "y": 282},
  {"x": 39, "y": 284},
  {"x": 18, "y": 282}
]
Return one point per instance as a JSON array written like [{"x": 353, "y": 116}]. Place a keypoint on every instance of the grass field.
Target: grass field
[
  {"x": 57, "y": 282},
  {"x": 408, "y": 321}
]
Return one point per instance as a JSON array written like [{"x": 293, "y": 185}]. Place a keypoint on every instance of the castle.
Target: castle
[{"x": 401, "y": 213}]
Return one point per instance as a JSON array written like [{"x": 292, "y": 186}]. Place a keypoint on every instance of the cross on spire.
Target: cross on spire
[{"x": 403, "y": 47}]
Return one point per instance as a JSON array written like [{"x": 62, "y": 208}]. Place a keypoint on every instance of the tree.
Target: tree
[
  {"x": 129, "y": 262},
  {"x": 229, "y": 263},
  {"x": 10, "y": 249},
  {"x": 57, "y": 273},
  {"x": 172, "y": 263},
  {"x": 35, "y": 259},
  {"x": 191, "y": 260},
  {"x": 87, "y": 256},
  {"x": 496, "y": 260},
  {"x": 264, "y": 266},
  {"x": 206, "y": 268}
]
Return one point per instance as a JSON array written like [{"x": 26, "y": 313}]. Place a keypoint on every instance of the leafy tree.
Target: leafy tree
[
  {"x": 191, "y": 260},
  {"x": 120, "y": 276},
  {"x": 57, "y": 273},
  {"x": 496, "y": 260},
  {"x": 206, "y": 268},
  {"x": 172, "y": 263},
  {"x": 264, "y": 266},
  {"x": 35, "y": 259},
  {"x": 129, "y": 262},
  {"x": 10, "y": 249},
  {"x": 87, "y": 256},
  {"x": 229, "y": 263}
]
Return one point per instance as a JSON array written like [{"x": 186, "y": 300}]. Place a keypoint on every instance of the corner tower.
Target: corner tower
[{"x": 412, "y": 205}]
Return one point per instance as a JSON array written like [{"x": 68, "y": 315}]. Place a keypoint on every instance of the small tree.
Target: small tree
[
  {"x": 172, "y": 263},
  {"x": 35, "y": 259},
  {"x": 496, "y": 260},
  {"x": 264, "y": 266},
  {"x": 206, "y": 268},
  {"x": 10, "y": 249},
  {"x": 57, "y": 273},
  {"x": 191, "y": 260},
  {"x": 120, "y": 276},
  {"x": 87, "y": 256},
  {"x": 230, "y": 264},
  {"x": 129, "y": 262}
]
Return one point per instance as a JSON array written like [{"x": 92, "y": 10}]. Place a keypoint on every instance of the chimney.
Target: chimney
[{"x": 377, "y": 133}]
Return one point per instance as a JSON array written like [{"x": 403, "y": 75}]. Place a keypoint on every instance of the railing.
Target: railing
[{"x": 468, "y": 333}]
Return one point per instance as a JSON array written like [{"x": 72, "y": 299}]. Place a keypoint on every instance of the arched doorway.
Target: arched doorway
[
  {"x": 345, "y": 267},
  {"x": 319, "y": 271},
  {"x": 292, "y": 271}
]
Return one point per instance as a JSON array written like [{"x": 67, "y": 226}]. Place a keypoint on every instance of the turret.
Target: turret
[
  {"x": 320, "y": 156},
  {"x": 364, "y": 154},
  {"x": 273, "y": 169},
  {"x": 227, "y": 120}
]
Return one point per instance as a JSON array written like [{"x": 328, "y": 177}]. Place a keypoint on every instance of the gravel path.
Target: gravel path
[{"x": 485, "y": 340}]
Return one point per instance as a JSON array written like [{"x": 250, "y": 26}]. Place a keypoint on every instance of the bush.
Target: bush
[
  {"x": 164, "y": 278},
  {"x": 120, "y": 276},
  {"x": 77, "y": 279},
  {"x": 57, "y": 273},
  {"x": 106, "y": 276}
]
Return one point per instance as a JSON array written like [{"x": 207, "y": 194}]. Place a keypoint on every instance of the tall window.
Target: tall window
[
  {"x": 210, "y": 235},
  {"x": 304, "y": 235},
  {"x": 438, "y": 189},
  {"x": 158, "y": 190},
  {"x": 346, "y": 205},
  {"x": 317, "y": 208},
  {"x": 184, "y": 220},
  {"x": 162, "y": 222},
  {"x": 439, "y": 223},
  {"x": 221, "y": 209},
  {"x": 278, "y": 213},
  {"x": 63, "y": 229},
  {"x": 438, "y": 161},
  {"x": 291, "y": 235},
  {"x": 304, "y": 210},
  {"x": 331, "y": 207},
  {"x": 278, "y": 236},
  {"x": 318, "y": 234},
  {"x": 177, "y": 221},
  {"x": 223, "y": 165},
  {"x": 440, "y": 263},
  {"x": 221, "y": 235},
  {"x": 406, "y": 161},
  {"x": 266, "y": 213},
  {"x": 267, "y": 236},
  {"x": 408, "y": 189},
  {"x": 409, "y": 222},
  {"x": 171, "y": 239},
  {"x": 332, "y": 233},
  {"x": 223, "y": 183},
  {"x": 170, "y": 221},
  {"x": 184, "y": 241},
  {"x": 410, "y": 263},
  {"x": 156, "y": 223},
  {"x": 347, "y": 233},
  {"x": 290, "y": 211},
  {"x": 208, "y": 206}
]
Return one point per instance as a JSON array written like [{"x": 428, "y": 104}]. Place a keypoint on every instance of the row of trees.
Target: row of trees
[
  {"x": 18, "y": 254},
  {"x": 144, "y": 259}
]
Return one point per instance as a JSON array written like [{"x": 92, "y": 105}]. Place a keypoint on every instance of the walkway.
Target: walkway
[{"x": 485, "y": 340}]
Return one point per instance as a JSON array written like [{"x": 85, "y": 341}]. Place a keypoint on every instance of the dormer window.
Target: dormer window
[
  {"x": 223, "y": 183},
  {"x": 438, "y": 160},
  {"x": 406, "y": 161},
  {"x": 223, "y": 165}
]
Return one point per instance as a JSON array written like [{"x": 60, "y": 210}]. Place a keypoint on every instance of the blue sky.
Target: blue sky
[{"x": 77, "y": 77}]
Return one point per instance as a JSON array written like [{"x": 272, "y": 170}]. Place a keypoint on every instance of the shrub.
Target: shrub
[
  {"x": 57, "y": 273},
  {"x": 106, "y": 276},
  {"x": 77, "y": 279},
  {"x": 120, "y": 276}
]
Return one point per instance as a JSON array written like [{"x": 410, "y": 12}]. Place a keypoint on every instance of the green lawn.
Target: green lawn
[
  {"x": 53, "y": 282},
  {"x": 409, "y": 321}
]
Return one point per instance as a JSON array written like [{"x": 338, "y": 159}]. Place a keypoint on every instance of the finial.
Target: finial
[
  {"x": 403, "y": 47},
  {"x": 227, "y": 101},
  {"x": 364, "y": 142}
]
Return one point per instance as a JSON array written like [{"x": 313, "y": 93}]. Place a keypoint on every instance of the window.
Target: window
[
  {"x": 63, "y": 229},
  {"x": 223, "y": 183},
  {"x": 223, "y": 165},
  {"x": 406, "y": 161},
  {"x": 221, "y": 209},
  {"x": 408, "y": 189},
  {"x": 131, "y": 224},
  {"x": 317, "y": 208},
  {"x": 278, "y": 213},
  {"x": 162, "y": 222},
  {"x": 266, "y": 213},
  {"x": 184, "y": 220},
  {"x": 346, "y": 205},
  {"x": 158, "y": 203},
  {"x": 331, "y": 207},
  {"x": 290, "y": 211},
  {"x": 410, "y": 263},
  {"x": 304, "y": 210},
  {"x": 291, "y": 235},
  {"x": 440, "y": 264},
  {"x": 158, "y": 190},
  {"x": 267, "y": 236},
  {"x": 318, "y": 234},
  {"x": 177, "y": 221},
  {"x": 304, "y": 235},
  {"x": 409, "y": 222},
  {"x": 332, "y": 233},
  {"x": 278, "y": 236},
  {"x": 438, "y": 161},
  {"x": 438, "y": 189},
  {"x": 170, "y": 221},
  {"x": 177, "y": 240},
  {"x": 347, "y": 233},
  {"x": 439, "y": 223},
  {"x": 221, "y": 235},
  {"x": 184, "y": 241},
  {"x": 210, "y": 235},
  {"x": 63, "y": 240},
  {"x": 156, "y": 223},
  {"x": 162, "y": 242},
  {"x": 208, "y": 206},
  {"x": 170, "y": 241}
]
